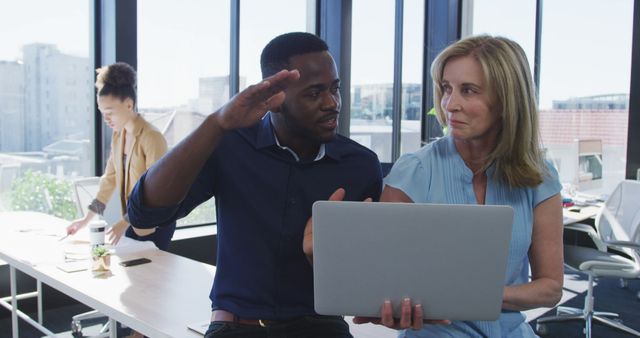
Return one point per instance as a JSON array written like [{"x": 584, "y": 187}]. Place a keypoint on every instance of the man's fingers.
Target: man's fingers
[
  {"x": 282, "y": 76},
  {"x": 368, "y": 199},
  {"x": 337, "y": 195},
  {"x": 272, "y": 86},
  {"x": 282, "y": 80},
  {"x": 275, "y": 100}
]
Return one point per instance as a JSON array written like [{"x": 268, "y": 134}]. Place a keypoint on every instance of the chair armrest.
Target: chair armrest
[
  {"x": 624, "y": 244},
  {"x": 582, "y": 228},
  {"x": 590, "y": 231}
]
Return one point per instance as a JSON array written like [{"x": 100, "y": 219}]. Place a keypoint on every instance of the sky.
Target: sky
[{"x": 586, "y": 44}]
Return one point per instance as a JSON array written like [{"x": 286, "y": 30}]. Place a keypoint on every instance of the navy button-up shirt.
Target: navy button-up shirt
[{"x": 263, "y": 200}]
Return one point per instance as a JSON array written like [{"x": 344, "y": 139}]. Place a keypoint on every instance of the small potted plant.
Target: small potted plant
[{"x": 101, "y": 258}]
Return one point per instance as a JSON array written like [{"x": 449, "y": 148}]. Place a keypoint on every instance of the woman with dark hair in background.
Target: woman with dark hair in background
[{"x": 135, "y": 146}]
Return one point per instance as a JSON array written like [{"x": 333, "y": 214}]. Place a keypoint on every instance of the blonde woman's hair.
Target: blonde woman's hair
[{"x": 517, "y": 155}]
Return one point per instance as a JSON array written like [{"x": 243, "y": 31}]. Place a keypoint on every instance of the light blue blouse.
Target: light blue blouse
[{"x": 437, "y": 174}]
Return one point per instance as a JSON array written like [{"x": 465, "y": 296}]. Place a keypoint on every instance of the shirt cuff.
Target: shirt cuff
[
  {"x": 143, "y": 217},
  {"x": 97, "y": 207}
]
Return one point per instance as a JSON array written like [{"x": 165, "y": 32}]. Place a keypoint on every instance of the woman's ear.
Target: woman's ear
[{"x": 129, "y": 103}]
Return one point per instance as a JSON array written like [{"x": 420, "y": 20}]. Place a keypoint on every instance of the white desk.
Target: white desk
[
  {"x": 158, "y": 299},
  {"x": 583, "y": 213}
]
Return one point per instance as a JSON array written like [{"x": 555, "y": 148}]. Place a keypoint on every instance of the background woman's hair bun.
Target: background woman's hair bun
[{"x": 118, "y": 74}]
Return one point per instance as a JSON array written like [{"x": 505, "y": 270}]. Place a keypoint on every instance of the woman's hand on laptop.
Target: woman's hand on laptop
[{"x": 411, "y": 317}]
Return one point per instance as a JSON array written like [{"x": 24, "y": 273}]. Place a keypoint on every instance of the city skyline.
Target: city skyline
[
  {"x": 53, "y": 102},
  {"x": 571, "y": 67}
]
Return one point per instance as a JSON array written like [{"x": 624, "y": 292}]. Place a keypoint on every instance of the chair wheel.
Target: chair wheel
[
  {"x": 542, "y": 329},
  {"x": 76, "y": 327}
]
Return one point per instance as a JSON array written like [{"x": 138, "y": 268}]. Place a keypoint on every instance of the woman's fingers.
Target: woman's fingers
[
  {"x": 418, "y": 314},
  {"x": 387, "y": 314},
  {"x": 405, "y": 314}
]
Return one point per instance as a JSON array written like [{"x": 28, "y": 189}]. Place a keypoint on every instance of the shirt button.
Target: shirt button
[{"x": 292, "y": 201}]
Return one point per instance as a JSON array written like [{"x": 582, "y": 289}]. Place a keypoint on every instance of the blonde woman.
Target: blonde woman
[
  {"x": 135, "y": 146},
  {"x": 490, "y": 155}
]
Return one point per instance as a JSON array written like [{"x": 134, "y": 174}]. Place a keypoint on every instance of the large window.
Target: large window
[
  {"x": 584, "y": 90},
  {"x": 183, "y": 70},
  {"x": 184, "y": 65},
  {"x": 46, "y": 104},
  {"x": 259, "y": 24},
  {"x": 515, "y": 20},
  {"x": 372, "y": 75},
  {"x": 412, "y": 54},
  {"x": 584, "y": 81}
]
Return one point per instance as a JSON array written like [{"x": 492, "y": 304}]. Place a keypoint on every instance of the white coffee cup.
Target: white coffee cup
[{"x": 96, "y": 232}]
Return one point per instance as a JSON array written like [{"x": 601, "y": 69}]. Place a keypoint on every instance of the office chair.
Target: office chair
[
  {"x": 85, "y": 190},
  {"x": 614, "y": 255},
  {"x": 629, "y": 220}
]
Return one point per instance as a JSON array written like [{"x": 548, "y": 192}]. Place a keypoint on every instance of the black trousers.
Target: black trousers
[{"x": 304, "y": 327}]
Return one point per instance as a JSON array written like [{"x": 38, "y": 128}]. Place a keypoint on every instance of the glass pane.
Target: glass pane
[
  {"x": 584, "y": 90},
  {"x": 515, "y": 20},
  {"x": 412, "y": 55},
  {"x": 372, "y": 75},
  {"x": 46, "y": 104},
  {"x": 254, "y": 36},
  {"x": 183, "y": 70}
]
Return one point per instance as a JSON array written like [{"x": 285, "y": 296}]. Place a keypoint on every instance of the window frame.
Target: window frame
[{"x": 444, "y": 19}]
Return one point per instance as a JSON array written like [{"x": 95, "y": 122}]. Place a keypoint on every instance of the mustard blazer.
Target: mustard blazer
[{"x": 147, "y": 146}]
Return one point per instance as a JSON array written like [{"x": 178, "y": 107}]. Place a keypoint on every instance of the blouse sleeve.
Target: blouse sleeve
[
  {"x": 410, "y": 176},
  {"x": 549, "y": 186},
  {"x": 107, "y": 183}
]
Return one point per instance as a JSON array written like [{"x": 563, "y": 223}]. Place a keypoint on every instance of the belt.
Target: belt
[{"x": 226, "y": 316}]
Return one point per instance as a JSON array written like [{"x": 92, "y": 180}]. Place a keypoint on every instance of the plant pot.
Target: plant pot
[{"x": 101, "y": 263}]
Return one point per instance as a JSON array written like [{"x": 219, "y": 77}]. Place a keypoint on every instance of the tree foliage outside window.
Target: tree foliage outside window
[
  {"x": 38, "y": 191},
  {"x": 204, "y": 214}
]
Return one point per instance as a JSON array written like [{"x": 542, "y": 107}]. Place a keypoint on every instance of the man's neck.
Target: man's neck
[{"x": 305, "y": 150}]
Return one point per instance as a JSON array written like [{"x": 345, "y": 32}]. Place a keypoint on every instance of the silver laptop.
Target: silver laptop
[{"x": 450, "y": 258}]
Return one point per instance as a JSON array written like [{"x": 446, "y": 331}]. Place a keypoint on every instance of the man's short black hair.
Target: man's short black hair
[{"x": 276, "y": 54}]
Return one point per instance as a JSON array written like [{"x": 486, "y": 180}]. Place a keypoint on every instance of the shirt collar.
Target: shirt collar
[
  {"x": 319, "y": 156},
  {"x": 267, "y": 137},
  {"x": 452, "y": 147}
]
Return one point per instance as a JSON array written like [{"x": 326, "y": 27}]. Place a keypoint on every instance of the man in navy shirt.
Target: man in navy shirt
[{"x": 266, "y": 156}]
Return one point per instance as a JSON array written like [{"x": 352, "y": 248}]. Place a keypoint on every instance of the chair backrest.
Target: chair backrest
[
  {"x": 620, "y": 217},
  {"x": 86, "y": 190}
]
